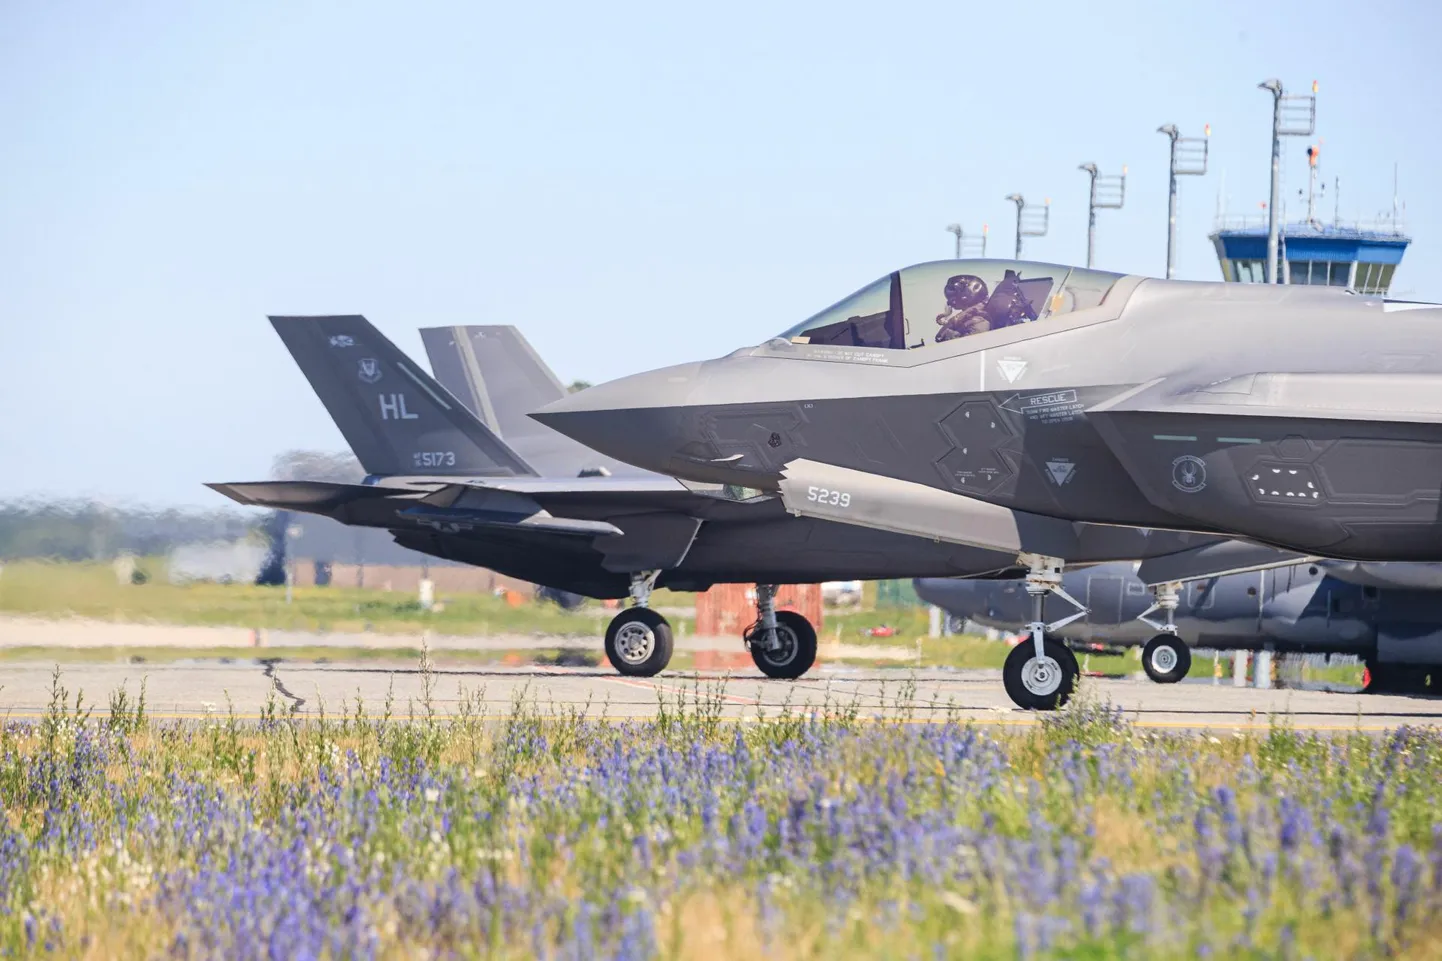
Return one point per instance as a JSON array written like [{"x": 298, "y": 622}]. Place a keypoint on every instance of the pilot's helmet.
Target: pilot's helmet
[{"x": 965, "y": 290}]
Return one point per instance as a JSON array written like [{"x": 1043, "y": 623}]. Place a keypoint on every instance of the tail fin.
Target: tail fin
[
  {"x": 394, "y": 416},
  {"x": 499, "y": 376}
]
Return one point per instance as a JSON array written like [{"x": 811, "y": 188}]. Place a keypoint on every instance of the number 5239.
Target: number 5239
[{"x": 822, "y": 495}]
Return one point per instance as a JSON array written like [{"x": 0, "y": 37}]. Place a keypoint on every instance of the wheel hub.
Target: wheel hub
[
  {"x": 1041, "y": 676},
  {"x": 635, "y": 642},
  {"x": 785, "y": 650},
  {"x": 1164, "y": 659}
]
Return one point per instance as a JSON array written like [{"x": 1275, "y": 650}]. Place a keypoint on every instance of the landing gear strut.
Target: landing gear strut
[
  {"x": 638, "y": 640},
  {"x": 1166, "y": 658},
  {"x": 782, "y": 643},
  {"x": 1040, "y": 673}
]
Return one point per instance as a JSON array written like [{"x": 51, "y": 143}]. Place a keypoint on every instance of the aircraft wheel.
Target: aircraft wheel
[
  {"x": 1040, "y": 685},
  {"x": 798, "y": 646},
  {"x": 639, "y": 642},
  {"x": 1166, "y": 659}
]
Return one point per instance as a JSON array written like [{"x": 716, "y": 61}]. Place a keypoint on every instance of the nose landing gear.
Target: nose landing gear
[
  {"x": 1166, "y": 657},
  {"x": 782, "y": 643},
  {"x": 638, "y": 640}
]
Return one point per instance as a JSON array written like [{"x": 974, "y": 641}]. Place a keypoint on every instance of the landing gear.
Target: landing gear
[
  {"x": 1166, "y": 658},
  {"x": 638, "y": 640},
  {"x": 782, "y": 643},
  {"x": 1040, "y": 684},
  {"x": 1040, "y": 674}
]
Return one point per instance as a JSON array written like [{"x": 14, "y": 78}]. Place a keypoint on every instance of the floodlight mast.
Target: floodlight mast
[
  {"x": 1189, "y": 157},
  {"x": 1107, "y": 193},
  {"x": 1027, "y": 222},
  {"x": 965, "y": 244},
  {"x": 1293, "y": 115}
]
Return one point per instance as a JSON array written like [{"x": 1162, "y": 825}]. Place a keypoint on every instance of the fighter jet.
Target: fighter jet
[
  {"x": 1320, "y": 607},
  {"x": 444, "y": 483},
  {"x": 999, "y": 404}
]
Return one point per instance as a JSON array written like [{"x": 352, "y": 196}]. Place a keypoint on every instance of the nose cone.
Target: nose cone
[{"x": 642, "y": 419}]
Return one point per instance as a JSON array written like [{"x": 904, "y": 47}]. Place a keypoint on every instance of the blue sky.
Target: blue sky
[{"x": 633, "y": 185}]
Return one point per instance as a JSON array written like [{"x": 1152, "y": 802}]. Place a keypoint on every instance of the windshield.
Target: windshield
[
  {"x": 862, "y": 320},
  {"x": 941, "y": 301}
]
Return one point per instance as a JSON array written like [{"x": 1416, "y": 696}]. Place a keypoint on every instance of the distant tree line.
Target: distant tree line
[
  {"x": 81, "y": 530},
  {"x": 87, "y": 530}
]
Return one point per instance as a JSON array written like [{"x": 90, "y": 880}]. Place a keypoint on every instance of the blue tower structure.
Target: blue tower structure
[{"x": 1362, "y": 258}]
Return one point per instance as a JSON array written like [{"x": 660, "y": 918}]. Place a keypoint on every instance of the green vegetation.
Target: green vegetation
[
  {"x": 48, "y": 589},
  {"x": 541, "y": 833}
]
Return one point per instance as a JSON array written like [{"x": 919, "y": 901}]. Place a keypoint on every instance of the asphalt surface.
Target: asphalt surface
[{"x": 196, "y": 689}]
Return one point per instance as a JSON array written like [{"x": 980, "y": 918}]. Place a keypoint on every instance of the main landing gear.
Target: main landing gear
[
  {"x": 1040, "y": 673},
  {"x": 638, "y": 640},
  {"x": 1166, "y": 658},
  {"x": 782, "y": 643}
]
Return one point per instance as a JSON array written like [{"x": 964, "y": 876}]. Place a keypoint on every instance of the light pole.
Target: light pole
[
  {"x": 1189, "y": 157},
  {"x": 1107, "y": 193},
  {"x": 1029, "y": 223},
  {"x": 1293, "y": 115},
  {"x": 966, "y": 245}
]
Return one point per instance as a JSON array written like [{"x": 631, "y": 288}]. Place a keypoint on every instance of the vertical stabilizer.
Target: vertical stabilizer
[{"x": 396, "y": 419}]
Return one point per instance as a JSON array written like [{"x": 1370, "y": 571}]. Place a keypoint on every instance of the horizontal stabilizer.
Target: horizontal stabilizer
[
  {"x": 1215, "y": 560},
  {"x": 813, "y": 489},
  {"x": 313, "y": 497}
]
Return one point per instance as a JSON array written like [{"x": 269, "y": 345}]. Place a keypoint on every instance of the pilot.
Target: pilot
[
  {"x": 965, "y": 311},
  {"x": 1008, "y": 303}
]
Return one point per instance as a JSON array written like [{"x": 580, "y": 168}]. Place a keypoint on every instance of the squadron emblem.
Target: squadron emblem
[
  {"x": 370, "y": 370},
  {"x": 1189, "y": 474}
]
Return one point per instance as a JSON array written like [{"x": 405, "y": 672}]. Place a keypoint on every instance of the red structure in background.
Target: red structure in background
[{"x": 726, "y": 610}]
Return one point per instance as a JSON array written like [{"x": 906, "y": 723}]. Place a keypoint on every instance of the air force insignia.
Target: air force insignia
[
  {"x": 342, "y": 340},
  {"x": 370, "y": 370}
]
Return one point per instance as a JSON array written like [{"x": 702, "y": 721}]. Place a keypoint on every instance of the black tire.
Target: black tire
[
  {"x": 639, "y": 642},
  {"x": 798, "y": 647},
  {"x": 1166, "y": 659},
  {"x": 1039, "y": 694}
]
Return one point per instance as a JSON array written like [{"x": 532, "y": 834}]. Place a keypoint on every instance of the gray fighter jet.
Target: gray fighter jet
[
  {"x": 999, "y": 404},
  {"x": 1322, "y": 607},
  {"x": 446, "y": 484}
]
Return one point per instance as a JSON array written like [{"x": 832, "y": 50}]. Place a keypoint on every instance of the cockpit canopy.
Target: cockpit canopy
[{"x": 940, "y": 301}]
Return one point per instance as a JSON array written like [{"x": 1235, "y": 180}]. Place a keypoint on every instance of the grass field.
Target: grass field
[
  {"x": 690, "y": 837},
  {"x": 90, "y": 590}
]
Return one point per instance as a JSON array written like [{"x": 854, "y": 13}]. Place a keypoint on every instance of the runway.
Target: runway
[{"x": 201, "y": 689}]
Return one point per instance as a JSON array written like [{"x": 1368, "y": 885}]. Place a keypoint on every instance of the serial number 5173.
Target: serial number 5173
[{"x": 822, "y": 495}]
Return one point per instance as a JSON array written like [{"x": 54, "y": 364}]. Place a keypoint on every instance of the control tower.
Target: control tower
[
  {"x": 1359, "y": 256},
  {"x": 1362, "y": 257}
]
